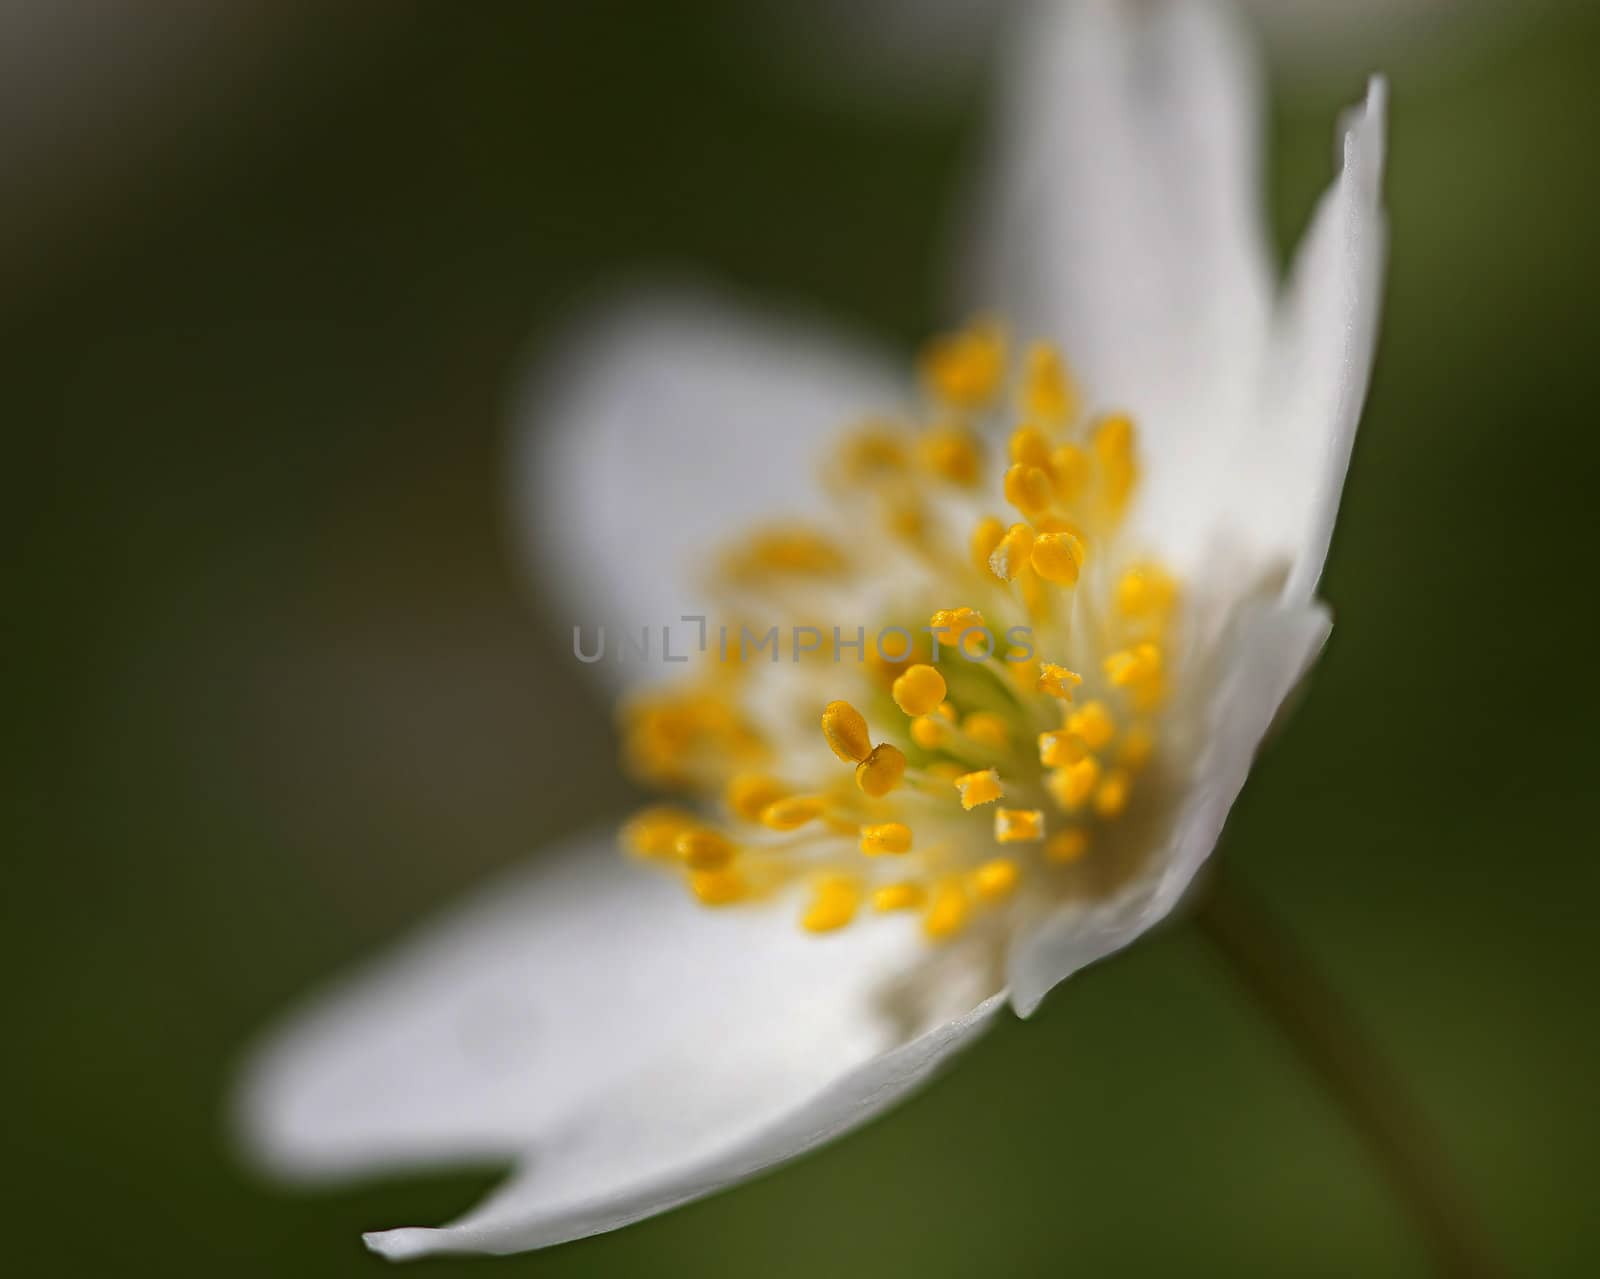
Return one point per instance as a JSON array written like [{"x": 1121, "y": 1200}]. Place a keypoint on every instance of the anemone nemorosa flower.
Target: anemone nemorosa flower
[{"x": 1047, "y": 597}]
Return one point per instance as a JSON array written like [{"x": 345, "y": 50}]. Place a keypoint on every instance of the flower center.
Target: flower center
[{"x": 977, "y": 734}]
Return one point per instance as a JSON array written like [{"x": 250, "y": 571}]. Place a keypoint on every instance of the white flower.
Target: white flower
[{"x": 625, "y": 1048}]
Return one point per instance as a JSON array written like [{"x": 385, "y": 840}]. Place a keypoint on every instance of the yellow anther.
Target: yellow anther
[
  {"x": 1058, "y": 681},
  {"x": 1018, "y": 825},
  {"x": 749, "y": 793},
  {"x": 928, "y": 732},
  {"x": 833, "y": 904},
  {"x": 886, "y": 838},
  {"x": 1057, "y": 557},
  {"x": 982, "y": 787},
  {"x": 1047, "y": 391},
  {"x": 717, "y": 887},
  {"x": 996, "y": 879},
  {"x": 846, "y": 730},
  {"x": 1138, "y": 744},
  {"x": 1028, "y": 447},
  {"x": 1011, "y": 552},
  {"x": 1137, "y": 665},
  {"x": 703, "y": 849},
  {"x": 903, "y": 896},
  {"x": 1069, "y": 468},
  {"x": 948, "y": 912},
  {"x": 1145, "y": 591},
  {"x": 952, "y": 453},
  {"x": 964, "y": 369},
  {"x": 1113, "y": 451},
  {"x": 1028, "y": 489},
  {"x": 870, "y": 453},
  {"x": 654, "y": 832},
  {"x": 1059, "y": 748},
  {"x": 1066, "y": 846},
  {"x": 919, "y": 690},
  {"x": 793, "y": 551},
  {"x": 1112, "y": 796},
  {"x": 907, "y": 519},
  {"x": 947, "y": 712},
  {"x": 664, "y": 733},
  {"x": 792, "y": 813},
  {"x": 1094, "y": 724},
  {"x": 1071, "y": 786},
  {"x": 950, "y": 625},
  {"x": 881, "y": 771},
  {"x": 987, "y": 729},
  {"x": 985, "y": 537},
  {"x": 1139, "y": 670}
]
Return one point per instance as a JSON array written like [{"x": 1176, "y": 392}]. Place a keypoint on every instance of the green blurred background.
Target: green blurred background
[{"x": 278, "y": 686}]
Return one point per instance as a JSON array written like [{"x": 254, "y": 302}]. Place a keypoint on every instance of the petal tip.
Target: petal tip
[
  {"x": 400, "y": 1245},
  {"x": 1362, "y": 141}
]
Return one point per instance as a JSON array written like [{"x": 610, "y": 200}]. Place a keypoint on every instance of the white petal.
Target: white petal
[
  {"x": 1322, "y": 351},
  {"x": 661, "y": 425},
  {"x": 1269, "y": 650},
  {"x": 625, "y": 1049},
  {"x": 523, "y": 1215},
  {"x": 1127, "y": 227}
]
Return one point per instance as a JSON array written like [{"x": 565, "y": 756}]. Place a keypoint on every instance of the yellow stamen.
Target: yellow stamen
[
  {"x": 1113, "y": 451},
  {"x": 902, "y": 896},
  {"x": 892, "y": 838},
  {"x": 1137, "y": 665},
  {"x": 1112, "y": 797},
  {"x": 985, "y": 537},
  {"x": 1057, "y": 557},
  {"x": 783, "y": 551},
  {"x": 1093, "y": 723},
  {"x": 928, "y": 732},
  {"x": 1011, "y": 552},
  {"x": 1025, "y": 675},
  {"x": 1144, "y": 591},
  {"x": 1047, "y": 391},
  {"x": 952, "y": 625},
  {"x": 1018, "y": 825},
  {"x": 1066, "y": 846},
  {"x": 948, "y": 913},
  {"x": 919, "y": 690},
  {"x": 703, "y": 849},
  {"x": 793, "y": 812},
  {"x": 1058, "y": 681},
  {"x": 870, "y": 453},
  {"x": 748, "y": 793},
  {"x": 717, "y": 887},
  {"x": 952, "y": 453},
  {"x": 982, "y": 787},
  {"x": 907, "y": 520},
  {"x": 846, "y": 730},
  {"x": 833, "y": 905},
  {"x": 996, "y": 879},
  {"x": 964, "y": 369},
  {"x": 1073, "y": 784},
  {"x": 881, "y": 771},
  {"x": 1069, "y": 468},
  {"x": 987, "y": 729},
  {"x": 1028, "y": 447},
  {"x": 654, "y": 832},
  {"x": 1138, "y": 744},
  {"x": 1059, "y": 748},
  {"x": 1028, "y": 489}
]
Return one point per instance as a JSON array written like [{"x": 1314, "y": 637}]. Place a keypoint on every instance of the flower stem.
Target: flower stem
[{"x": 1287, "y": 987}]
